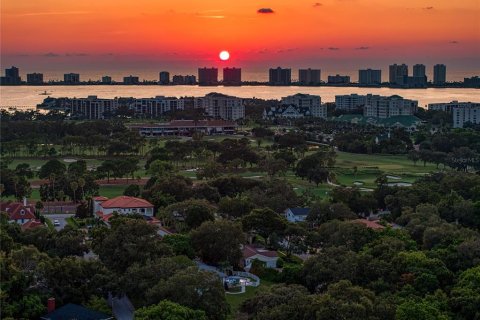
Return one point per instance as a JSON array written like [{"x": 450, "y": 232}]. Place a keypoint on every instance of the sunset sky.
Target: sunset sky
[{"x": 329, "y": 34}]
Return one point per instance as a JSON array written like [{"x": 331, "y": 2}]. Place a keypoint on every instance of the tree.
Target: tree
[
  {"x": 160, "y": 168},
  {"x": 465, "y": 295},
  {"x": 132, "y": 190},
  {"x": 74, "y": 187},
  {"x": 414, "y": 156},
  {"x": 235, "y": 207},
  {"x": 421, "y": 310},
  {"x": 218, "y": 242},
  {"x": 181, "y": 244},
  {"x": 342, "y": 300},
  {"x": 23, "y": 169},
  {"x": 188, "y": 214},
  {"x": 128, "y": 241},
  {"x": 264, "y": 222},
  {"x": 322, "y": 212},
  {"x": 167, "y": 310},
  {"x": 280, "y": 302},
  {"x": 200, "y": 290},
  {"x": 54, "y": 167}
]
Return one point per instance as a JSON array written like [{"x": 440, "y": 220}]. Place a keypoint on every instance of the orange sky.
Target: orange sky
[{"x": 196, "y": 30}]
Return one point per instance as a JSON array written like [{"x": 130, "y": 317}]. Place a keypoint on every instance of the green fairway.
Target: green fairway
[{"x": 111, "y": 191}]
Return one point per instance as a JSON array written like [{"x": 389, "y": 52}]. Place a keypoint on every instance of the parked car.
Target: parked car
[{"x": 56, "y": 223}]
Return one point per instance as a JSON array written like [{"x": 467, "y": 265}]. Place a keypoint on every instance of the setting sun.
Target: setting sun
[{"x": 224, "y": 55}]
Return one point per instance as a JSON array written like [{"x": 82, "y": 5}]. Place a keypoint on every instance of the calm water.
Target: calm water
[{"x": 28, "y": 96}]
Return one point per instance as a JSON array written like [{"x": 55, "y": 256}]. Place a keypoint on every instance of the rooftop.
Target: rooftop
[
  {"x": 126, "y": 202},
  {"x": 299, "y": 211},
  {"x": 74, "y": 311}
]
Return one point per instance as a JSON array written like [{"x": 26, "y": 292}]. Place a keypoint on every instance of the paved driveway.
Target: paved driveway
[{"x": 61, "y": 219}]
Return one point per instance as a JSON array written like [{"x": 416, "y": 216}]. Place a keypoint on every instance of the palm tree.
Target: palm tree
[
  {"x": 74, "y": 187},
  {"x": 81, "y": 184}
]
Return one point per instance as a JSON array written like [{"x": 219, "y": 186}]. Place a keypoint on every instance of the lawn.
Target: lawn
[
  {"x": 111, "y": 191},
  {"x": 236, "y": 300}
]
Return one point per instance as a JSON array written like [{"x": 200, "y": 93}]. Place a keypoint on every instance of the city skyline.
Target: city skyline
[{"x": 185, "y": 35}]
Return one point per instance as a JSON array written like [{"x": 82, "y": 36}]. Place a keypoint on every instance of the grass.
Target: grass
[
  {"x": 72, "y": 222},
  {"x": 236, "y": 300},
  {"x": 111, "y": 191}
]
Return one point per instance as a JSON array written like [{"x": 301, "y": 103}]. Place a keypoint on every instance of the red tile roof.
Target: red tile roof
[
  {"x": 126, "y": 202},
  {"x": 369, "y": 224},
  {"x": 32, "y": 224},
  {"x": 14, "y": 210},
  {"x": 100, "y": 198},
  {"x": 249, "y": 251}
]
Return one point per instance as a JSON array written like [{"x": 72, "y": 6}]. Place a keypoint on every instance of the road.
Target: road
[{"x": 61, "y": 217}]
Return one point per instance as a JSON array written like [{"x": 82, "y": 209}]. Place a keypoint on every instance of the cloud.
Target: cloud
[
  {"x": 317, "y": 4},
  {"x": 286, "y": 50},
  {"x": 333, "y": 48},
  {"x": 265, "y": 10},
  {"x": 454, "y": 42},
  {"x": 362, "y": 48},
  {"x": 74, "y": 54},
  {"x": 428, "y": 8},
  {"x": 52, "y": 13},
  {"x": 51, "y": 55}
]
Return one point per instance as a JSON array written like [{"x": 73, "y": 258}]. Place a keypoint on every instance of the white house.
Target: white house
[
  {"x": 122, "y": 205},
  {"x": 266, "y": 256},
  {"x": 296, "y": 214}
]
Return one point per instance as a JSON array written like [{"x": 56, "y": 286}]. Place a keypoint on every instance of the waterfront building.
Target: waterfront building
[
  {"x": 221, "y": 106},
  {"x": 338, "y": 79},
  {"x": 35, "y": 78},
  {"x": 386, "y": 107},
  {"x": 280, "y": 77},
  {"x": 71, "y": 78},
  {"x": 369, "y": 77},
  {"x": 309, "y": 76},
  {"x": 439, "y": 74},
  {"x": 164, "y": 78},
  {"x": 232, "y": 76},
  {"x": 156, "y": 107},
  {"x": 207, "y": 76},
  {"x": 312, "y": 103},
  {"x": 419, "y": 75},
  {"x": 12, "y": 76},
  {"x": 397, "y": 73},
  {"x": 466, "y": 113},
  {"x": 106, "y": 79},
  {"x": 131, "y": 80},
  {"x": 473, "y": 82},
  {"x": 349, "y": 102}
]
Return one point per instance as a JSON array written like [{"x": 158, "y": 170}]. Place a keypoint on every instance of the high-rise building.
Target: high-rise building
[
  {"x": 465, "y": 112},
  {"x": 131, "y": 80},
  {"x": 35, "y": 78},
  {"x": 397, "y": 73},
  {"x": 309, "y": 76},
  {"x": 11, "y": 76},
  {"x": 280, "y": 77},
  {"x": 164, "y": 77},
  {"x": 71, "y": 78},
  {"x": 472, "y": 82},
  {"x": 369, "y": 77},
  {"x": 419, "y": 76},
  {"x": 232, "y": 76},
  {"x": 338, "y": 79},
  {"x": 207, "y": 76},
  {"x": 106, "y": 79},
  {"x": 439, "y": 74}
]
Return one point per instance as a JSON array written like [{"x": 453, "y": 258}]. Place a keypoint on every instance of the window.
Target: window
[{"x": 22, "y": 212}]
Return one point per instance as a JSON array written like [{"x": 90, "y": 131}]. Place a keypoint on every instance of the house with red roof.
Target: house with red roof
[
  {"x": 122, "y": 205},
  {"x": 251, "y": 253},
  {"x": 18, "y": 212},
  {"x": 369, "y": 224}
]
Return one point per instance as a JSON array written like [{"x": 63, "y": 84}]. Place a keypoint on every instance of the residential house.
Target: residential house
[
  {"x": 105, "y": 207},
  {"x": 251, "y": 253},
  {"x": 74, "y": 311},
  {"x": 297, "y": 214},
  {"x": 18, "y": 212}
]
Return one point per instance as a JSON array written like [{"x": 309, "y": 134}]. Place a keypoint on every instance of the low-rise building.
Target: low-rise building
[
  {"x": 409, "y": 123},
  {"x": 122, "y": 205},
  {"x": 222, "y": 106},
  {"x": 338, "y": 79},
  {"x": 18, "y": 212},
  {"x": 250, "y": 253},
  {"x": 349, "y": 102},
  {"x": 185, "y": 128},
  {"x": 468, "y": 113},
  {"x": 297, "y": 214},
  {"x": 286, "y": 111},
  {"x": 385, "y": 107}
]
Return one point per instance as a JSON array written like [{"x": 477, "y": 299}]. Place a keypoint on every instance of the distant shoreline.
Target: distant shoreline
[{"x": 452, "y": 85}]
